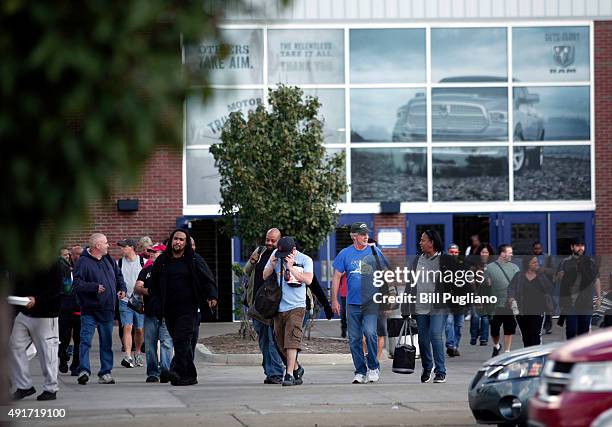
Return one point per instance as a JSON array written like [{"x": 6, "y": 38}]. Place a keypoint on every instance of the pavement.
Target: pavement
[{"x": 235, "y": 396}]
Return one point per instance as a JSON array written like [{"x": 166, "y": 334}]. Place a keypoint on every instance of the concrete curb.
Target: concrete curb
[{"x": 205, "y": 355}]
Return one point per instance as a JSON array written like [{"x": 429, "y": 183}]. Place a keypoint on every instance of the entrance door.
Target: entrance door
[
  {"x": 522, "y": 230},
  {"x": 564, "y": 227},
  {"x": 216, "y": 249},
  {"x": 416, "y": 224},
  {"x": 467, "y": 225}
]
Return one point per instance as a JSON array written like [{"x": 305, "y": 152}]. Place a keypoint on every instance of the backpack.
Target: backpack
[{"x": 141, "y": 259}]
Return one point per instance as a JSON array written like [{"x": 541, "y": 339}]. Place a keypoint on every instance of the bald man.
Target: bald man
[
  {"x": 98, "y": 283},
  {"x": 272, "y": 362}
]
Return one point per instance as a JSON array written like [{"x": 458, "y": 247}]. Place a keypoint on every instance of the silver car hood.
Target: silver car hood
[{"x": 523, "y": 353}]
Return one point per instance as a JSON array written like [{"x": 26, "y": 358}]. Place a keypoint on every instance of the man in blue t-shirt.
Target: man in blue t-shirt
[
  {"x": 357, "y": 262},
  {"x": 296, "y": 271}
]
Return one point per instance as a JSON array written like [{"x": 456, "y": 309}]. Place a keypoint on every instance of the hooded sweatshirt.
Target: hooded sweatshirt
[{"x": 90, "y": 272}]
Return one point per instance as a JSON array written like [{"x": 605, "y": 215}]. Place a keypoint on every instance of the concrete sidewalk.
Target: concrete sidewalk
[{"x": 231, "y": 396}]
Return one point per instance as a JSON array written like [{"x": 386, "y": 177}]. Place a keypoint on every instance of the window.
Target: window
[
  {"x": 205, "y": 122},
  {"x": 387, "y": 56},
  {"x": 550, "y": 54},
  {"x": 469, "y": 114},
  {"x": 470, "y": 174},
  {"x": 552, "y": 113},
  {"x": 388, "y": 174},
  {"x": 306, "y": 56},
  {"x": 242, "y": 65},
  {"x": 552, "y": 173},
  {"x": 499, "y": 113},
  {"x": 380, "y": 115},
  {"x": 468, "y": 54},
  {"x": 202, "y": 178}
]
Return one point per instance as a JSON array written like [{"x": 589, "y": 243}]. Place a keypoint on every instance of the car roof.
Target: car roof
[{"x": 595, "y": 347}]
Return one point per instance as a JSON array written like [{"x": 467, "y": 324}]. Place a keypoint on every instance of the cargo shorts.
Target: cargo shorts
[{"x": 288, "y": 329}]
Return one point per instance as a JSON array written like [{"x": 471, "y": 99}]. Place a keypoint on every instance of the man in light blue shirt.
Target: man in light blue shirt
[
  {"x": 296, "y": 272},
  {"x": 362, "y": 314}
]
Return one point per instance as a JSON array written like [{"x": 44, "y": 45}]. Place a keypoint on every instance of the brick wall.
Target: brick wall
[
  {"x": 397, "y": 257},
  {"x": 160, "y": 193},
  {"x": 603, "y": 145}
]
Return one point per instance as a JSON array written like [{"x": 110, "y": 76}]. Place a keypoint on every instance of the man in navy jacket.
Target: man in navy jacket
[{"x": 97, "y": 283}]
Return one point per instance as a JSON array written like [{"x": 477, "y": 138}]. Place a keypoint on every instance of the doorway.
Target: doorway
[
  {"x": 216, "y": 249},
  {"x": 465, "y": 226}
]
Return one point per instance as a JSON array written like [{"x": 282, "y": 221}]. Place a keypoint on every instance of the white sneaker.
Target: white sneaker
[
  {"x": 138, "y": 360},
  {"x": 359, "y": 379},
  {"x": 373, "y": 375},
  {"x": 106, "y": 379}
]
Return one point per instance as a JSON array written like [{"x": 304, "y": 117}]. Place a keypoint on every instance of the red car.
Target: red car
[{"x": 576, "y": 387}]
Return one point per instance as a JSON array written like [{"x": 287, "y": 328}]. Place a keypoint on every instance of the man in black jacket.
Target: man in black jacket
[
  {"x": 36, "y": 323},
  {"x": 69, "y": 317},
  {"x": 183, "y": 282}
]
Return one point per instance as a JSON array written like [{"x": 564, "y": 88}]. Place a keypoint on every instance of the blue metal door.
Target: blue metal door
[
  {"x": 565, "y": 226},
  {"x": 417, "y": 223},
  {"x": 522, "y": 230}
]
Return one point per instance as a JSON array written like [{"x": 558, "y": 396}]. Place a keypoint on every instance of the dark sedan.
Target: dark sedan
[{"x": 502, "y": 387}]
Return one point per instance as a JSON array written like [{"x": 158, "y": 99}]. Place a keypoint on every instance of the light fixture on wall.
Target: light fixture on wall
[{"x": 127, "y": 205}]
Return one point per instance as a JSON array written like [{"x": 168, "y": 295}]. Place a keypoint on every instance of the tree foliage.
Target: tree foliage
[
  {"x": 275, "y": 172},
  {"x": 89, "y": 89}
]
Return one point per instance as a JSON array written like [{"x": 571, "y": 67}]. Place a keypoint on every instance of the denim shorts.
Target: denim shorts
[{"x": 129, "y": 316}]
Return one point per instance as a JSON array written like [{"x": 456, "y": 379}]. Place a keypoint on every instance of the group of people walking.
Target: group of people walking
[
  {"x": 160, "y": 293},
  {"x": 175, "y": 284}
]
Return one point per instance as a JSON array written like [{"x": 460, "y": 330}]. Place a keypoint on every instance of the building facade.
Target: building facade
[{"x": 466, "y": 116}]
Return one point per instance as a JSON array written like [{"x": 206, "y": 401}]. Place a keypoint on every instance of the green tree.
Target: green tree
[
  {"x": 88, "y": 89},
  {"x": 275, "y": 172}
]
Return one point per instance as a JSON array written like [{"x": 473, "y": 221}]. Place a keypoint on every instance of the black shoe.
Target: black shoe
[
  {"x": 46, "y": 395},
  {"x": 496, "y": 350},
  {"x": 20, "y": 393},
  {"x": 74, "y": 373},
  {"x": 298, "y": 373},
  {"x": 152, "y": 379},
  {"x": 63, "y": 368},
  {"x": 167, "y": 377},
  {"x": 289, "y": 380},
  {"x": 473, "y": 342},
  {"x": 426, "y": 376},
  {"x": 184, "y": 382},
  {"x": 273, "y": 380},
  {"x": 548, "y": 331},
  {"x": 440, "y": 378},
  {"x": 83, "y": 378},
  {"x": 483, "y": 343},
  {"x": 456, "y": 352},
  {"x": 450, "y": 351}
]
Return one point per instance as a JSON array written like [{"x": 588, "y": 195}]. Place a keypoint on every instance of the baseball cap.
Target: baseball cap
[
  {"x": 158, "y": 247},
  {"x": 359, "y": 228},
  {"x": 127, "y": 242},
  {"x": 284, "y": 247},
  {"x": 578, "y": 241}
]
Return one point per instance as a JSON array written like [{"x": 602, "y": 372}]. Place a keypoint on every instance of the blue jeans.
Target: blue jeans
[
  {"x": 431, "y": 329},
  {"x": 577, "y": 324},
  {"x": 155, "y": 330},
  {"x": 454, "y": 323},
  {"x": 272, "y": 363},
  {"x": 360, "y": 325},
  {"x": 105, "y": 333},
  {"x": 479, "y": 326}
]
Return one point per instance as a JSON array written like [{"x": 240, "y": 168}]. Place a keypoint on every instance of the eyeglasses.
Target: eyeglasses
[{"x": 151, "y": 251}]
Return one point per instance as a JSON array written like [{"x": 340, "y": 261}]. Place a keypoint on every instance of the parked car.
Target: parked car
[
  {"x": 475, "y": 114},
  {"x": 499, "y": 392},
  {"x": 576, "y": 387}
]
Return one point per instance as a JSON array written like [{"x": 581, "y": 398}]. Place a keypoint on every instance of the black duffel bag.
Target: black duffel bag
[
  {"x": 267, "y": 299},
  {"x": 404, "y": 355}
]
